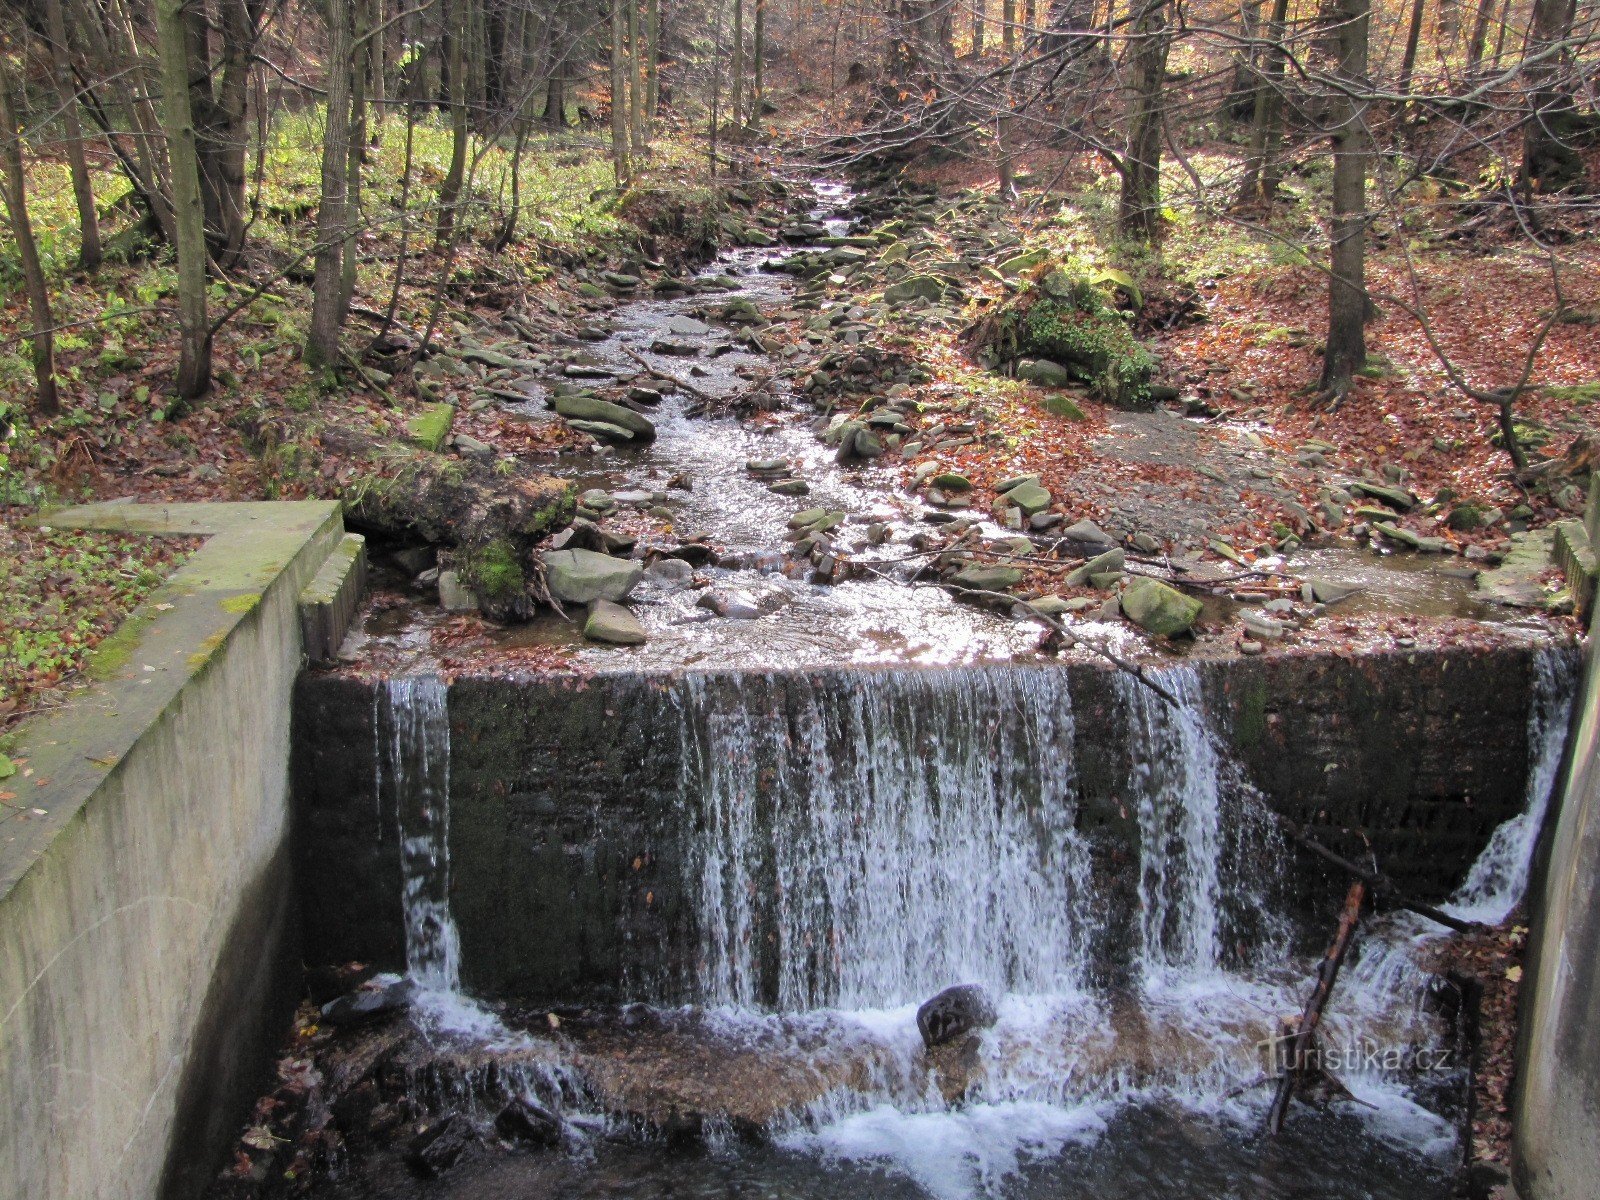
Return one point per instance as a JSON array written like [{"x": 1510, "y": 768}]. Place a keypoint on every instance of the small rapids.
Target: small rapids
[{"x": 860, "y": 848}]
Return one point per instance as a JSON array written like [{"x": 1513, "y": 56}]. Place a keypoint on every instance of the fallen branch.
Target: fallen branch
[
  {"x": 1311, "y": 1015},
  {"x": 699, "y": 393}
]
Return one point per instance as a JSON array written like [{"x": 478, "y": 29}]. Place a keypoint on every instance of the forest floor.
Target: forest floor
[{"x": 1240, "y": 462}]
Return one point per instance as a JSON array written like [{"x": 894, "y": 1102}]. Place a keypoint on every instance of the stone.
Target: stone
[
  {"x": 987, "y": 578},
  {"x": 1262, "y": 626},
  {"x": 1087, "y": 533},
  {"x": 914, "y": 287},
  {"x": 603, "y": 430},
  {"x": 377, "y": 1000},
  {"x": 687, "y": 327},
  {"x": 466, "y": 444},
  {"x": 1110, "y": 563},
  {"x": 437, "y": 1148},
  {"x": 454, "y": 596},
  {"x": 734, "y": 606},
  {"x": 1043, "y": 372},
  {"x": 1029, "y": 497},
  {"x": 672, "y": 572},
  {"x": 618, "y": 280},
  {"x": 610, "y": 622},
  {"x": 1162, "y": 610},
  {"x": 954, "y": 1013},
  {"x": 583, "y": 576},
  {"x": 952, "y": 481},
  {"x": 529, "y": 1124},
  {"x": 431, "y": 426},
  {"x": 790, "y": 487},
  {"x": 1050, "y": 606},
  {"x": 1395, "y": 497},
  {"x": 1328, "y": 591},
  {"x": 588, "y": 408}
]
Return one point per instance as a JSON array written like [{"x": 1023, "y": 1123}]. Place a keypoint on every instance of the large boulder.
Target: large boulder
[
  {"x": 914, "y": 287},
  {"x": 953, "y": 1013},
  {"x": 1165, "y": 611},
  {"x": 583, "y": 576},
  {"x": 588, "y": 408},
  {"x": 1044, "y": 372}
]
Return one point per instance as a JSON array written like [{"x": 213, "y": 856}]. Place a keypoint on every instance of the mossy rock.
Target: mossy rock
[
  {"x": 430, "y": 427},
  {"x": 1094, "y": 342},
  {"x": 494, "y": 574}
]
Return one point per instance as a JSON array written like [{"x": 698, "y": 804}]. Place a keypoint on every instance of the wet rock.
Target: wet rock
[
  {"x": 672, "y": 572},
  {"x": 618, "y": 280},
  {"x": 953, "y": 1013},
  {"x": 696, "y": 554},
  {"x": 674, "y": 349},
  {"x": 454, "y": 596},
  {"x": 988, "y": 578},
  {"x": 377, "y": 1000},
  {"x": 603, "y": 430},
  {"x": 1160, "y": 609},
  {"x": 438, "y": 1147},
  {"x": 1328, "y": 591},
  {"x": 587, "y": 408},
  {"x": 582, "y": 576},
  {"x": 1263, "y": 627},
  {"x": 790, "y": 487},
  {"x": 609, "y": 622},
  {"x": 529, "y": 1124},
  {"x": 688, "y": 327},
  {"x": 734, "y": 606},
  {"x": 951, "y": 481}
]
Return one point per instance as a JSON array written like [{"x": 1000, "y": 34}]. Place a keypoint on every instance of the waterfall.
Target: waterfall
[
  {"x": 1495, "y": 885},
  {"x": 418, "y": 767},
  {"x": 868, "y": 840}
]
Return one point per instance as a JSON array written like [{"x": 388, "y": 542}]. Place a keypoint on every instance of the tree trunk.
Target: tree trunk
[
  {"x": 67, "y": 92},
  {"x": 327, "y": 316},
  {"x": 455, "y": 32},
  {"x": 653, "y": 64},
  {"x": 1549, "y": 162},
  {"x": 758, "y": 54},
  {"x": 978, "y": 30},
  {"x": 736, "y": 69},
  {"x": 188, "y": 207},
  {"x": 362, "y": 13},
  {"x": 1260, "y": 183},
  {"x": 1408, "y": 60},
  {"x": 1139, "y": 213},
  {"x": 45, "y": 396},
  {"x": 1346, "y": 351},
  {"x": 1008, "y": 27},
  {"x": 636, "y": 100},
  {"x": 619, "y": 99}
]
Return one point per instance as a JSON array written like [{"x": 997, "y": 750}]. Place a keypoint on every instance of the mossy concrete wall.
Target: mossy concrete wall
[
  {"x": 1556, "y": 1114},
  {"x": 568, "y": 812},
  {"x": 146, "y": 913}
]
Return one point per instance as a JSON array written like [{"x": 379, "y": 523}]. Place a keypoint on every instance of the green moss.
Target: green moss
[
  {"x": 1581, "y": 393},
  {"x": 114, "y": 652},
  {"x": 242, "y": 603},
  {"x": 493, "y": 572},
  {"x": 431, "y": 426},
  {"x": 1061, "y": 404},
  {"x": 207, "y": 648},
  {"x": 1093, "y": 340},
  {"x": 1250, "y": 721}
]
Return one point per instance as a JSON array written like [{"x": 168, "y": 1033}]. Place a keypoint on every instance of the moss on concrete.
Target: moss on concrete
[{"x": 431, "y": 426}]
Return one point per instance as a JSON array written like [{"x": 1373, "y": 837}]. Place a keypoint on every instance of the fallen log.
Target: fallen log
[{"x": 1311, "y": 1016}]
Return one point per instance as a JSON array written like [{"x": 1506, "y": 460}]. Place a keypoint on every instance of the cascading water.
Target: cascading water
[
  {"x": 418, "y": 761},
  {"x": 870, "y": 842},
  {"x": 1497, "y": 881}
]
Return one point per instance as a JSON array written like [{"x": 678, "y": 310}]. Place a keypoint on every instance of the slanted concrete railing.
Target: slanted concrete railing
[
  {"x": 1556, "y": 1122},
  {"x": 145, "y": 908}
]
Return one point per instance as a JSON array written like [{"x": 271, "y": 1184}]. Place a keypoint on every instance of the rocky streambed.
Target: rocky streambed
[{"x": 767, "y": 473}]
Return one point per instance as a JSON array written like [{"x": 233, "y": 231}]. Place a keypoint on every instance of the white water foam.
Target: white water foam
[
  {"x": 1499, "y": 878},
  {"x": 872, "y": 843}
]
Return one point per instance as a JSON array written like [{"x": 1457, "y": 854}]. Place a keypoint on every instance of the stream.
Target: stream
[{"x": 934, "y": 853}]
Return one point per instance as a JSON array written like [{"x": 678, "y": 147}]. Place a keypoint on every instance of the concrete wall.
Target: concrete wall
[
  {"x": 146, "y": 917},
  {"x": 1556, "y": 1123},
  {"x": 568, "y": 818}
]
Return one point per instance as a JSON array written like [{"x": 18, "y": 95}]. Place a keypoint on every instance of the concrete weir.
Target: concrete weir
[
  {"x": 147, "y": 929},
  {"x": 584, "y": 811}
]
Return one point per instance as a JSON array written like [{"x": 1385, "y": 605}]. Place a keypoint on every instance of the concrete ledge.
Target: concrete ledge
[
  {"x": 328, "y": 603},
  {"x": 1574, "y": 554},
  {"x": 144, "y": 902}
]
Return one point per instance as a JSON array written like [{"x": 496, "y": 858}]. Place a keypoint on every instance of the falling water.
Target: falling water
[
  {"x": 1495, "y": 885},
  {"x": 418, "y": 762},
  {"x": 874, "y": 838}
]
